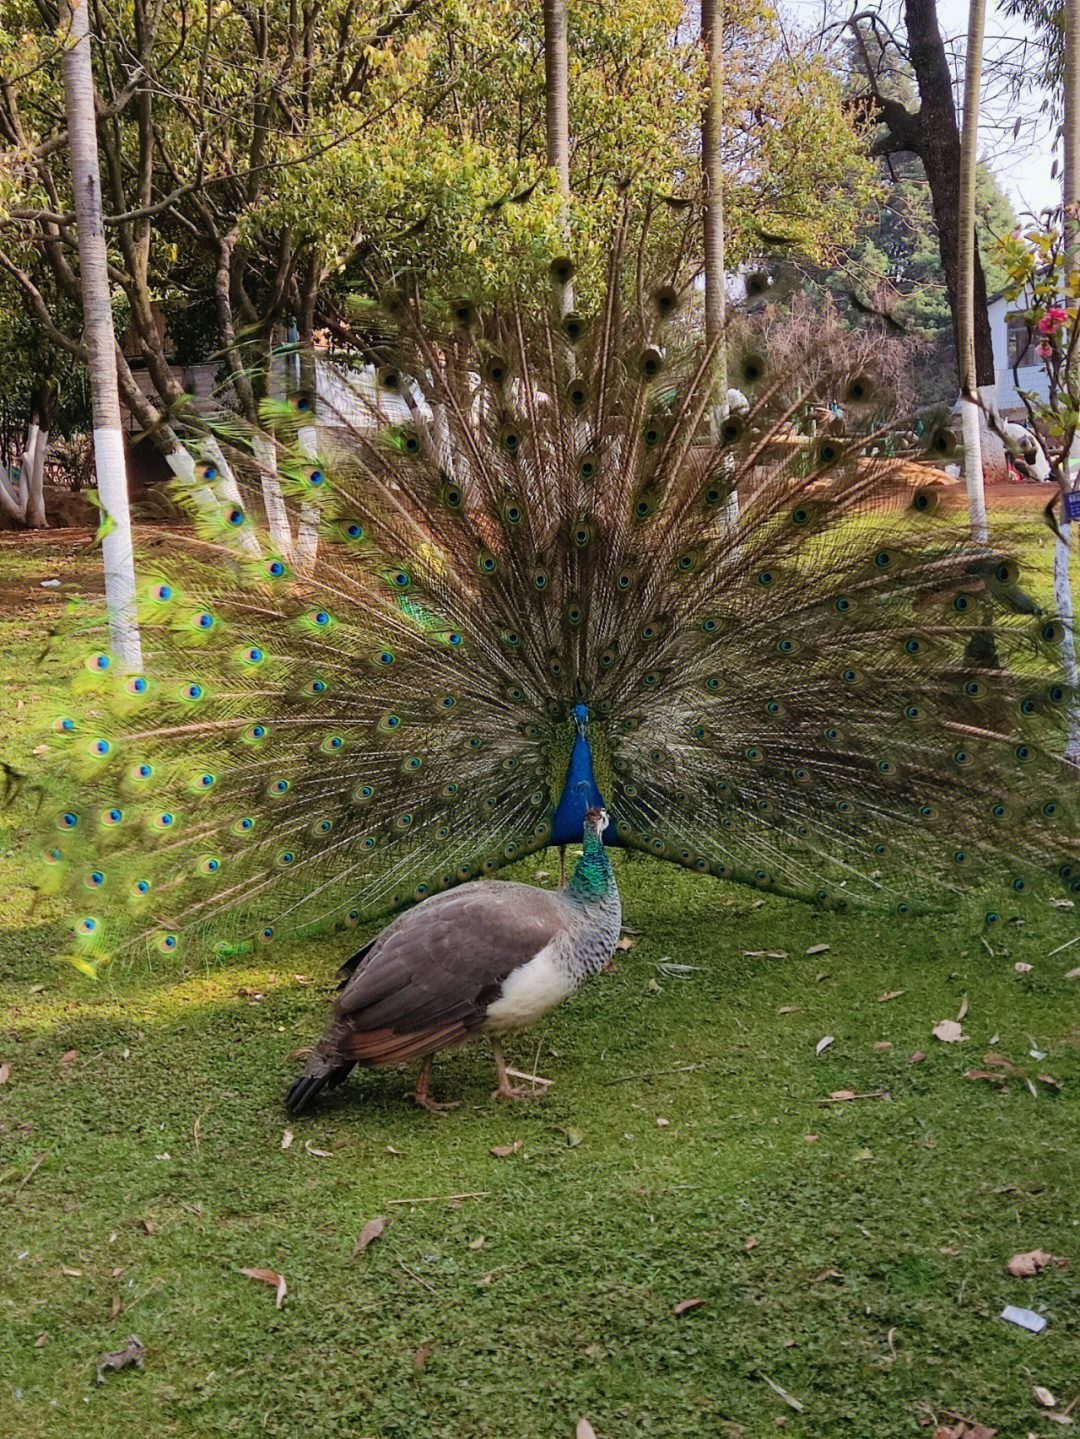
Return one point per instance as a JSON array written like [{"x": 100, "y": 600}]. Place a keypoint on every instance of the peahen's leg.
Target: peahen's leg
[
  {"x": 562, "y": 866},
  {"x": 422, "y": 1091},
  {"x": 506, "y": 1090}
]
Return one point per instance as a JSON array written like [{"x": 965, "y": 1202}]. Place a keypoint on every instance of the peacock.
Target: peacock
[{"x": 563, "y": 591}]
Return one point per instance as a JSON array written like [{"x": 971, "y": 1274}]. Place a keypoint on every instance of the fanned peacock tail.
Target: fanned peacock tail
[{"x": 834, "y": 694}]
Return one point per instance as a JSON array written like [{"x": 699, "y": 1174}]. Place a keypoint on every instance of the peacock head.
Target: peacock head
[
  {"x": 596, "y": 820},
  {"x": 581, "y": 718}
]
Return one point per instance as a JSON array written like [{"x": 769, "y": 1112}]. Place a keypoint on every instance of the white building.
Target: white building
[{"x": 1011, "y": 341}]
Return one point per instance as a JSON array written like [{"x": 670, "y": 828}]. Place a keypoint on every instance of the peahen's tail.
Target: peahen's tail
[{"x": 545, "y": 548}]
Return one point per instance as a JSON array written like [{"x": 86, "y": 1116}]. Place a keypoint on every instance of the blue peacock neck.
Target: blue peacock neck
[
  {"x": 593, "y": 878},
  {"x": 580, "y": 790}
]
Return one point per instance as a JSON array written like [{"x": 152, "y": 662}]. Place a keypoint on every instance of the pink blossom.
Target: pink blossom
[
  {"x": 1045, "y": 351},
  {"x": 1052, "y": 320}
]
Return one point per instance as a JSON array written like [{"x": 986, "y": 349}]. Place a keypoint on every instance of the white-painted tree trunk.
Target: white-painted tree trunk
[
  {"x": 109, "y": 457},
  {"x": 277, "y": 515},
  {"x": 307, "y": 531},
  {"x": 969, "y": 156}
]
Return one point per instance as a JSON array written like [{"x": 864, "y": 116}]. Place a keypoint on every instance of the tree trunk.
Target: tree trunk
[
  {"x": 965, "y": 318},
  {"x": 933, "y": 134},
  {"x": 100, "y": 338},
  {"x": 42, "y": 404},
  {"x": 557, "y": 117},
  {"x": 712, "y": 188}
]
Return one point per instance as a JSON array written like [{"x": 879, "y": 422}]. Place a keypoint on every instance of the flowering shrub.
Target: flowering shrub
[{"x": 1044, "y": 292}]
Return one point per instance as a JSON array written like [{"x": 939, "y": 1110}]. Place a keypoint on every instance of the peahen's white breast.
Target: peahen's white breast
[{"x": 531, "y": 990}]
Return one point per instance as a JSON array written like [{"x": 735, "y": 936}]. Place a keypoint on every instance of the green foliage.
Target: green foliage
[
  {"x": 324, "y": 141},
  {"x": 1044, "y": 287}
]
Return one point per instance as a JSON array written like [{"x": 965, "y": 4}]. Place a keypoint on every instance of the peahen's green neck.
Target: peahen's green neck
[{"x": 593, "y": 877}]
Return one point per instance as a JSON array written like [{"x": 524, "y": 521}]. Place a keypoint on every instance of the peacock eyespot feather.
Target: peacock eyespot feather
[
  {"x": 510, "y": 439},
  {"x": 302, "y": 401},
  {"x": 926, "y": 500},
  {"x": 486, "y": 562},
  {"x": 577, "y": 392},
  {"x": 562, "y": 269},
  {"x": 206, "y": 470},
  {"x": 666, "y": 299},
  {"x": 496, "y": 369},
  {"x": 652, "y": 435},
  {"x": 574, "y": 614},
  {"x": 464, "y": 313},
  {"x": 332, "y": 743},
  {"x": 209, "y": 865},
  {"x": 588, "y": 465},
  {"x": 828, "y": 452},
  {"x": 731, "y": 430},
  {"x": 98, "y": 663},
  {"x": 410, "y": 442},
  {"x": 651, "y": 362},
  {"x": 582, "y": 533},
  {"x": 573, "y": 326},
  {"x": 607, "y": 659},
  {"x": 166, "y": 943},
  {"x": 540, "y": 579},
  {"x": 135, "y": 685},
  {"x": 512, "y": 510},
  {"x": 352, "y": 918},
  {"x": 234, "y": 517},
  {"x": 112, "y": 817},
  {"x": 753, "y": 369},
  {"x": 766, "y": 577},
  {"x": 286, "y": 858},
  {"x": 275, "y": 569}
]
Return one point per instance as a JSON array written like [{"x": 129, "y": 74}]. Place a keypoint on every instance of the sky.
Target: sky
[{"x": 1022, "y": 166}]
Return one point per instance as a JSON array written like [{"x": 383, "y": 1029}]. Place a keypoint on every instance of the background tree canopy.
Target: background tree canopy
[{"x": 260, "y": 155}]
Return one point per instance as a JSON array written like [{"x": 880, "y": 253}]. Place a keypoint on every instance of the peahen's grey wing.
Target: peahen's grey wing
[{"x": 441, "y": 964}]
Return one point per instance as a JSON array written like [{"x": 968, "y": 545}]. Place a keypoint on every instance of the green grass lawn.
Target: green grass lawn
[{"x": 853, "y": 1253}]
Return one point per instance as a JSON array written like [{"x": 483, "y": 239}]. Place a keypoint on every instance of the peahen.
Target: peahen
[
  {"x": 560, "y": 575},
  {"x": 488, "y": 958}
]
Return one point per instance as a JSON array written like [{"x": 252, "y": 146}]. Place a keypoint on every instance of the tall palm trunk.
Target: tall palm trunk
[
  {"x": 1070, "y": 195},
  {"x": 100, "y": 337},
  {"x": 712, "y": 182},
  {"x": 557, "y": 117},
  {"x": 970, "y": 408}
]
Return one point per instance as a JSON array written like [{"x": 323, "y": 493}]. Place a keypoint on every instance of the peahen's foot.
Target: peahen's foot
[
  {"x": 433, "y": 1106},
  {"x": 505, "y": 1089},
  {"x": 422, "y": 1093}
]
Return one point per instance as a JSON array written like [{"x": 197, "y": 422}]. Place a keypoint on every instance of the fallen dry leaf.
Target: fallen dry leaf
[
  {"x": 685, "y": 1305},
  {"x": 70, "y": 1057},
  {"x": 750, "y": 1243},
  {"x": 788, "y": 1009},
  {"x": 810, "y": 1138},
  {"x": 391, "y": 1150},
  {"x": 625, "y": 942},
  {"x": 842, "y": 1094},
  {"x": 118, "y": 1271},
  {"x": 133, "y": 1352},
  {"x": 824, "y": 1043},
  {"x": 41, "y": 1340},
  {"x": 984, "y": 1074},
  {"x": 5, "y": 1072},
  {"x": 149, "y": 1227},
  {"x": 477, "y": 1243},
  {"x": 890, "y": 994},
  {"x": 422, "y": 1355},
  {"x": 784, "y": 1395},
  {"x": 1048, "y": 1080},
  {"x": 115, "y": 1307},
  {"x": 286, "y": 1139},
  {"x": 949, "y": 1032},
  {"x": 917, "y": 1057},
  {"x": 584, "y": 1430},
  {"x": 1022, "y": 968},
  {"x": 1043, "y": 1396},
  {"x": 765, "y": 954},
  {"x": 301, "y": 979},
  {"x": 662, "y": 1123},
  {"x": 1023, "y": 1266},
  {"x": 370, "y": 1232},
  {"x": 318, "y": 1153},
  {"x": 71, "y": 1273},
  {"x": 881, "y": 1045},
  {"x": 819, "y": 949},
  {"x": 268, "y": 1276},
  {"x": 1073, "y": 973},
  {"x": 503, "y": 1151},
  {"x": 962, "y": 1013}
]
